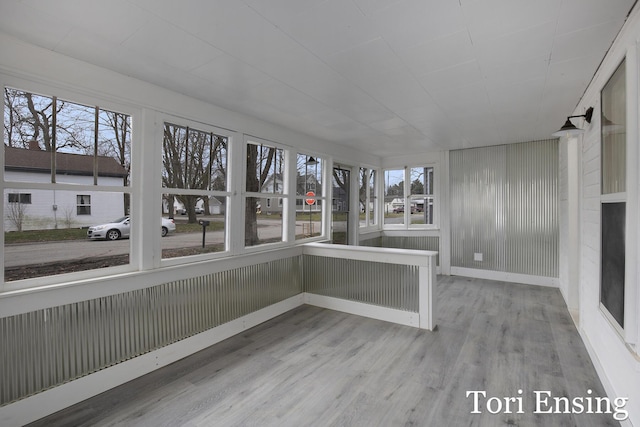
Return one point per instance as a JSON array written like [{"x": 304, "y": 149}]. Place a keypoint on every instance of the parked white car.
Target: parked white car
[{"x": 120, "y": 228}]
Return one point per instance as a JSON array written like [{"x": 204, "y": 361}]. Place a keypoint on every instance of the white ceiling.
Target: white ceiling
[{"x": 389, "y": 77}]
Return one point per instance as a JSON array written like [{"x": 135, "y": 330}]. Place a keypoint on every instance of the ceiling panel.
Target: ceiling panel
[
  {"x": 115, "y": 20},
  {"x": 457, "y": 75},
  {"x": 389, "y": 77},
  {"x": 443, "y": 52},
  {"x": 491, "y": 19},
  {"x": 533, "y": 42},
  {"x": 330, "y": 27},
  {"x": 579, "y": 14},
  {"x": 229, "y": 71},
  {"x": 26, "y": 23},
  {"x": 408, "y": 23}
]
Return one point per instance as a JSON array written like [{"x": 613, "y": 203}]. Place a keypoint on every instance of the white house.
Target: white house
[{"x": 33, "y": 209}]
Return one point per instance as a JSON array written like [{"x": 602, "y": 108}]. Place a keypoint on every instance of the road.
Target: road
[{"x": 31, "y": 253}]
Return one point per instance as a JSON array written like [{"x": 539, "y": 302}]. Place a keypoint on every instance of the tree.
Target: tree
[
  {"x": 193, "y": 159},
  {"x": 47, "y": 120},
  {"x": 396, "y": 189},
  {"x": 341, "y": 182},
  {"x": 16, "y": 214},
  {"x": 259, "y": 167},
  {"x": 362, "y": 191},
  {"x": 417, "y": 187},
  {"x": 115, "y": 141}
]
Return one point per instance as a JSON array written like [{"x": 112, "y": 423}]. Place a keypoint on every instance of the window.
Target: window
[
  {"x": 309, "y": 196},
  {"x": 83, "y": 203},
  {"x": 265, "y": 179},
  {"x": 194, "y": 181},
  {"x": 24, "y": 198},
  {"x": 613, "y": 197},
  {"x": 57, "y": 143},
  {"x": 394, "y": 200},
  {"x": 410, "y": 197},
  {"x": 367, "y": 197},
  {"x": 421, "y": 195}
]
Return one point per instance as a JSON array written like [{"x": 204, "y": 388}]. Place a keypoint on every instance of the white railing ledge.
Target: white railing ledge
[{"x": 420, "y": 258}]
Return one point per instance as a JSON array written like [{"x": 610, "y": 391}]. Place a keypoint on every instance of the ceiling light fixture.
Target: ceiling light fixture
[{"x": 569, "y": 129}]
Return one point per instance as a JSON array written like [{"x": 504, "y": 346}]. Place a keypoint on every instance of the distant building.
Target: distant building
[
  {"x": 274, "y": 184},
  {"x": 46, "y": 209}
]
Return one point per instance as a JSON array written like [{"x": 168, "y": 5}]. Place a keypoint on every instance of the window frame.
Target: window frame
[
  {"x": 285, "y": 194},
  {"x": 20, "y": 198},
  {"x": 371, "y": 206},
  {"x": 85, "y": 99},
  {"x": 82, "y": 205},
  {"x": 320, "y": 200},
  {"x": 408, "y": 197},
  {"x": 228, "y": 194},
  {"x": 616, "y": 197}
]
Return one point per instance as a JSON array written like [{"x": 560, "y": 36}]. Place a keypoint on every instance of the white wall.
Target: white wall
[{"x": 614, "y": 354}]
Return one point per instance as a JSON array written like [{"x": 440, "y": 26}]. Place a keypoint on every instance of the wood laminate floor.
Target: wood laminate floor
[{"x": 317, "y": 367}]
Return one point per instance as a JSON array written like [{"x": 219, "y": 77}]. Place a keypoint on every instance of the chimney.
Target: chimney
[{"x": 33, "y": 145}]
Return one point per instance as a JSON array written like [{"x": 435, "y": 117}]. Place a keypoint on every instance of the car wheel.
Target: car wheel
[
  {"x": 113, "y": 234},
  {"x": 165, "y": 231}
]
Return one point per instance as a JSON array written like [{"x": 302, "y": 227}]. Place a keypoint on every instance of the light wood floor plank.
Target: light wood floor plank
[{"x": 316, "y": 367}]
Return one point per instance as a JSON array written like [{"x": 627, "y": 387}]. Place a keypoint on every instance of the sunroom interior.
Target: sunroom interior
[{"x": 331, "y": 162}]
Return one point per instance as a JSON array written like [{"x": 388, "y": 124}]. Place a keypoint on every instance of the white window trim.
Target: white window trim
[
  {"x": 232, "y": 137},
  {"x": 88, "y": 99},
  {"x": 407, "y": 198}
]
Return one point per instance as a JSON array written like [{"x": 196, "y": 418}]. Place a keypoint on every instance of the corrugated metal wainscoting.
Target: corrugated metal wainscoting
[
  {"x": 386, "y": 285},
  {"x": 504, "y": 205},
  {"x": 45, "y": 348}
]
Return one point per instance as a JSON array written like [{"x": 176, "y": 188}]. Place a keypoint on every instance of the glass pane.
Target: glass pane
[
  {"x": 422, "y": 180},
  {"x": 372, "y": 198},
  {"x": 28, "y": 121},
  {"x": 340, "y": 206},
  {"x": 51, "y": 219},
  {"x": 394, "y": 196},
  {"x": 421, "y": 210},
  {"x": 308, "y": 218},
  {"x": 193, "y": 159},
  {"x": 363, "y": 180},
  {"x": 612, "y": 263},
  {"x": 614, "y": 133},
  {"x": 339, "y": 228},
  {"x": 265, "y": 167},
  {"x": 184, "y": 237},
  {"x": 263, "y": 220},
  {"x": 114, "y": 146},
  {"x": 218, "y": 167},
  {"x": 174, "y": 156},
  {"x": 308, "y": 176},
  {"x": 75, "y": 132},
  {"x": 28, "y": 136}
]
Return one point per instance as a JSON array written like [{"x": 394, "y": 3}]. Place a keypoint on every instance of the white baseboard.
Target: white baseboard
[
  {"x": 50, "y": 401},
  {"x": 365, "y": 310},
  {"x": 502, "y": 276}
]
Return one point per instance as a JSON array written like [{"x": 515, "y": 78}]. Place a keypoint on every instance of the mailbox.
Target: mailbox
[{"x": 204, "y": 224}]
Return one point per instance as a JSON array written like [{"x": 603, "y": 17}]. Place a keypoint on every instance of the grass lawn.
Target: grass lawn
[
  {"x": 62, "y": 234},
  {"x": 34, "y": 236}
]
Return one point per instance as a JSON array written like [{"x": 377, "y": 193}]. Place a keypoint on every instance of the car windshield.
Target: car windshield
[{"x": 120, "y": 219}]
